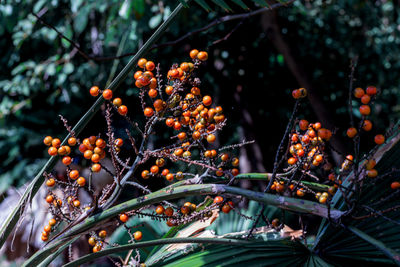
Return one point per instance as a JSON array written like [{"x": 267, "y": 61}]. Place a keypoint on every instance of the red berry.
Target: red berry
[
  {"x": 107, "y": 94},
  {"x": 379, "y": 139},
  {"x": 123, "y": 110},
  {"x": 358, "y": 92},
  {"x": 94, "y": 91},
  {"x": 371, "y": 90}
]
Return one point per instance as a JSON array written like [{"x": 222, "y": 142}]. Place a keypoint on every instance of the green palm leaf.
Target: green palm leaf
[{"x": 373, "y": 239}]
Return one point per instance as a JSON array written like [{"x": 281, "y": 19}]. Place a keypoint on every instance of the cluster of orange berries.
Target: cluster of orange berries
[
  {"x": 108, "y": 95},
  {"x": 299, "y": 93},
  {"x": 155, "y": 170},
  {"x": 365, "y": 110},
  {"x": 55, "y": 147},
  {"x": 226, "y": 206},
  {"x": 308, "y": 147},
  {"x": 47, "y": 229},
  {"x": 97, "y": 241},
  {"x": 192, "y": 115}
]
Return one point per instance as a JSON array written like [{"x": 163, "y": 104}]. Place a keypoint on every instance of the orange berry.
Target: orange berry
[
  {"x": 152, "y": 93},
  {"x": 81, "y": 181},
  {"x": 193, "y": 54},
  {"x": 196, "y": 135},
  {"x": 219, "y": 172},
  {"x": 50, "y": 182},
  {"x": 48, "y": 140},
  {"x": 160, "y": 209},
  {"x": 107, "y": 94},
  {"x": 351, "y": 132},
  {"x": 178, "y": 152},
  {"x": 52, "y": 222},
  {"x": 319, "y": 158},
  {"x": 76, "y": 203},
  {"x": 303, "y": 124},
  {"x": 300, "y": 192},
  {"x": 367, "y": 125},
  {"x": 207, "y": 100},
  {"x": 323, "y": 199},
  {"x": 358, "y": 92},
  {"x": 275, "y": 222},
  {"x": 185, "y": 210},
  {"x": 235, "y": 172},
  {"x": 138, "y": 84},
  {"x": 158, "y": 104},
  {"x": 203, "y": 56},
  {"x": 154, "y": 169},
  {"x": 371, "y": 90},
  {"x": 165, "y": 172},
  {"x": 72, "y": 141},
  {"x": 182, "y": 136},
  {"x": 145, "y": 174},
  {"x": 66, "y": 160},
  {"x": 96, "y": 248},
  {"x": 142, "y": 63},
  {"x": 123, "y": 218},
  {"x": 118, "y": 142},
  {"x": 137, "y": 74},
  {"x": 235, "y": 162},
  {"x": 395, "y": 185},
  {"x": 148, "y": 112},
  {"x": 92, "y": 241},
  {"x": 169, "y": 90},
  {"x": 184, "y": 66},
  {"x": 144, "y": 80},
  {"x": 100, "y": 143},
  {"x": 365, "y": 99},
  {"x": 52, "y": 151},
  {"x": 123, "y": 110},
  {"x": 317, "y": 126},
  {"x": 138, "y": 235},
  {"x": 160, "y": 162},
  {"x": 292, "y": 161},
  {"x": 169, "y": 212},
  {"x": 49, "y": 199},
  {"x": 47, "y": 228},
  {"x": 169, "y": 177},
  {"x": 153, "y": 83},
  {"x": 82, "y": 148},
  {"x": 211, "y": 138},
  {"x": 94, "y": 91},
  {"x": 195, "y": 91},
  {"x": 88, "y": 154},
  {"x": 300, "y": 152},
  {"x": 150, "y": 65},
  {"x": 102, "y": 234},
  {"x": 169, "y": 122},
  {"x": 296, "y": 94},
  {"x": 74, "y": 174},
  {"x": 365, "y": 110},
  {"x": 350, "y": 157},
  {"x": 370, "y": 164},
  {"x": 96, "y": 167},
  {"x": 56, "y": 142},
  {"x": 372, "y": 173},
  {"x": 218, "y": 199},
  {"x": 177, "y": 125},
  {"x": 379, "y": 139},
  {"x": 117, "y": 102}
]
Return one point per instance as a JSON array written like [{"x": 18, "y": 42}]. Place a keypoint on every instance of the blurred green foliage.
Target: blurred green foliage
[{"x": 43, "y": 75}]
